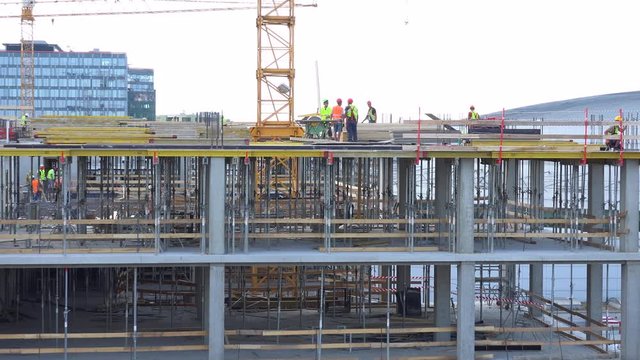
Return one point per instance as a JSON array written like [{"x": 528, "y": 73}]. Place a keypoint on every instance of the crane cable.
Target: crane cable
[{"x": 148, "y": 12}]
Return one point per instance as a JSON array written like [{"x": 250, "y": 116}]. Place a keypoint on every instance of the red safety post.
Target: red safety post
[
  {"x": 621, "y": 160},
  {"x": 419, "y": 128},
  {"x": 501, "y": 137},
  {"x": 584, "y": 150}
]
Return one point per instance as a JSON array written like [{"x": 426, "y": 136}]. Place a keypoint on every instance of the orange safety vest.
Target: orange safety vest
[
  {"x": 337, "y": 112},
  {"x": 34, "y": 185}
]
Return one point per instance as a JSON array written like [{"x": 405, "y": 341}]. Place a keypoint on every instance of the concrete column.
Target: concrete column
[
  {"x": 216, "y": 311},
  {"x": 443, "y": 191},
  {"x": 82, "y": 192},
  {"x": 199, "y": 293},
  {"x": 630, "y": 346},
  {"x": 595, "y": 198},
  {"x": 403, "y": 180},
  {"x": 536, "y": 273},
  {"x": 629, "y": 205},
  {"x": 594, "y": 292},
  {"x": 403, "y": 271},
  {"x": 511, "y": 184},
  {"x": 465, "y": 347},
  {"x": 536, "y": 184},
  {"x": 216, "y": 246},
  {"x": 442, "y": 300},
  {"x": 465, "y": 344},
  {"x": 216, "y": 206},
  {"x": 464, "y": 207}
]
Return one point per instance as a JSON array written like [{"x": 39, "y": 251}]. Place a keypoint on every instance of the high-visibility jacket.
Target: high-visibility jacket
[
  {"x": 352, "y": 112},
  {"x": 474, "y": 115},
  {"x": 43, "y": 175},
  {"x": 337, "y": 112},
  {"x": 371, "y": 115},
  {"x": 51, "y": 174},
  {"x": 325, "y": 113},
  {"x": 23, "y": 120},
  {"x": 34, "y": 185},
  {"x": 614, "y": 130}
]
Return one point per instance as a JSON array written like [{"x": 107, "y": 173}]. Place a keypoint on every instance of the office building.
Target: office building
[
  {"x": 141, "y": 94},
  {"x": 93, "y": 83}
]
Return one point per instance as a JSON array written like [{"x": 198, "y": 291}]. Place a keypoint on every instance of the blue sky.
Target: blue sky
[{"x": 403, "y": 55}]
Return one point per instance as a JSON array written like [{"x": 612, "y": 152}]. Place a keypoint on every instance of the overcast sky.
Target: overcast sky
[{"x": 403, "y": 55}]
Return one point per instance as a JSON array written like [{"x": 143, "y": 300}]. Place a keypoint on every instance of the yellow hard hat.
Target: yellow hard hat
[{"x": 618, "y": 118}]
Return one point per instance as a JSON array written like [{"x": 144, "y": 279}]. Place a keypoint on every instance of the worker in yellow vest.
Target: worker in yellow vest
[
  {"x": 325, "y": 116},
  {"x": 473, "y": 115},
  {"x": 372, "y": 115},
  {"x": 616, "y": 129}
]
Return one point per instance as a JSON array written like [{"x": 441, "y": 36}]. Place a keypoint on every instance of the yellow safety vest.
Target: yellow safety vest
[{"x": 325, "y": 113}]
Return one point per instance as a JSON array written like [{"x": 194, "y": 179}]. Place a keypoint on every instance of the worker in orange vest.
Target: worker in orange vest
[
  {"x": 337, "y": 117},
  {"x": 35, "y": 188}
]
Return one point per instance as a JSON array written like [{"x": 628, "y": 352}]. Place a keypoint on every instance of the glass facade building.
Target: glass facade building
[
  {"x": 67, "y": 83},
  {"x": 142, "y": 95}
]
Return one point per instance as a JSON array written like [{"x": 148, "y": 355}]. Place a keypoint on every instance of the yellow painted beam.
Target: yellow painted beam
[{"x": 426, "y": 153}]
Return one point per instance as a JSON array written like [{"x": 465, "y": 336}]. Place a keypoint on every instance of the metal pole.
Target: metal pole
[
  {"x": 65, "y": 208},
  {"x": 246, "y": 206},
  {"x": 66, "y": 309},
  {"x": 156, "y": 206},
  {"x": 388, "y": 315},
  {"x": 321, "y": 306},
  {"x": 135, "y": 312}
]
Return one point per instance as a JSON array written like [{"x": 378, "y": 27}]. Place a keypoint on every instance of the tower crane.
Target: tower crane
[
  {"x": 27, "y": 61},
  {"x": 275, "y": 72}
]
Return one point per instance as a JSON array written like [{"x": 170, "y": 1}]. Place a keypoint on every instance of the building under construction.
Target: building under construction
[{"x": 164, "y": 240}]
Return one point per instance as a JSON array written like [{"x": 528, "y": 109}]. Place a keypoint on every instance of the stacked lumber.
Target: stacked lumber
[{"x": 96, "y": 130}]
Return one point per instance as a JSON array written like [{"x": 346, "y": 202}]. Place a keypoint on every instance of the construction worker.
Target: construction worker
[
  {"x": 42, "y": 174},
  {"x": 351, "y": 116},
  {"x": 371, "y": 114},
  {"x": 23, "y": 123},
  {"x": 35, "y": 188},
  {"x": 51, "y": 178},
  {"x": 325, "y": 116},
  {"x": 337, "y": 117},
  {"x": 42, "y": 177},
  {"x": 57, "y": 186},
  {"x": 473, "y": 115},
  {"x": 614, "y": 144}
]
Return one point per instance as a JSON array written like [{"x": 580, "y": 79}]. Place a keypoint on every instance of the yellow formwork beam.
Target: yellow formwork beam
[{"x": 426, "y": 153}]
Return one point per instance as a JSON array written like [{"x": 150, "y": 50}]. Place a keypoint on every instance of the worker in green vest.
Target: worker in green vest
[
  {"x": 371, "y": 114},
  {"x": 616, "y": 129},
  {"x": 51, "y": 179},
  {"x": 325, "y": 116},
  {"x": 42, "y": 176},
  {"x": 23, "y": 123},
  {"x": 473, "y": 115}
]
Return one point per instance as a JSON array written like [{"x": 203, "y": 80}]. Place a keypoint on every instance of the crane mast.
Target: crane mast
[
  {"x": 27, "y": 61},
  {"x": 275, "y": 73}
]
